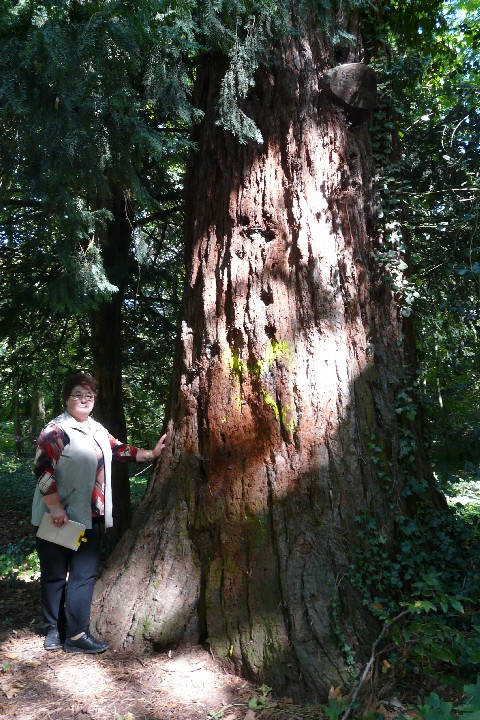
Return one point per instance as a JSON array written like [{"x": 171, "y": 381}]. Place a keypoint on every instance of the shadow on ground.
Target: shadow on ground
[{"x": 183, "y": 684}]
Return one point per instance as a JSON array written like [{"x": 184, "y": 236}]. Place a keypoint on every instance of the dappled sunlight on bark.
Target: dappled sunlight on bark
[{"x": 288, "y": 363}]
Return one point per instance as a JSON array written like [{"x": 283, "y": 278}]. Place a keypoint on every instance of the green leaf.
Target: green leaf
[
  {"x": 457, "y": 605},
  {"x": 435, "y": 708}
]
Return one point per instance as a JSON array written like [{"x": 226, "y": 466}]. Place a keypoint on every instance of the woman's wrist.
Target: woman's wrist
[{"x": 144, "y": 455}]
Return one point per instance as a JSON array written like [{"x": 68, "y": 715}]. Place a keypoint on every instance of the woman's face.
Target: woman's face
[{"x": 80, "y": 402}]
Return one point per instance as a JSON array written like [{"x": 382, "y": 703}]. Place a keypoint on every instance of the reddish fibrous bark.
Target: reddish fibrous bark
[{"x": 289, "y": 360}]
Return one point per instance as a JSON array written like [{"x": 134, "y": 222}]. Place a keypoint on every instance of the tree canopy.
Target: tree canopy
[
  {"x": 92, "y": 106},
  {"x": 96, "y": 99},
  {"x": 433, "y": 191}
]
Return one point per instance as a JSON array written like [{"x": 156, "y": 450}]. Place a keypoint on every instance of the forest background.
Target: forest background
[{"x": 91, "y": 208}]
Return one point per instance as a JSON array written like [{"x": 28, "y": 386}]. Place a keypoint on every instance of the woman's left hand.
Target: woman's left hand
[
  {"x": 146, "y": 455},
  {"x": 157, "y": 450}
]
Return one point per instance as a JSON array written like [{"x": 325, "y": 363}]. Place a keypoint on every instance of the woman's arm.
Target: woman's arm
[
  {"x": 55, "y": 508},
  {"x": 146, "y": 455},
  {"x": 50, "y": 446},
  {"x": 123, "y": 452}
]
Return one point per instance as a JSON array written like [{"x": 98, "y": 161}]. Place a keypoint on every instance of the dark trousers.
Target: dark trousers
[{"x": 66, "y": 603}]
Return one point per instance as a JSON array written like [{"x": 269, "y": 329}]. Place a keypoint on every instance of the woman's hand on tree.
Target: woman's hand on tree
[
  {"x": 157, "y": 450},
  {"x": 146, "y": 455}
]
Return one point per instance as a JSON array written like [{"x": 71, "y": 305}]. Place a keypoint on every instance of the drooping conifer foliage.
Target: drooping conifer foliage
[
  {"x": 95, "y": 121},
  {"x": 94, "y": 109},
  {"x": 96, "y": 105}
]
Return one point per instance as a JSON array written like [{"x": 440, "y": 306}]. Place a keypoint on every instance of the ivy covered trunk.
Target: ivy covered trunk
[{"x": 283, "y": 425}]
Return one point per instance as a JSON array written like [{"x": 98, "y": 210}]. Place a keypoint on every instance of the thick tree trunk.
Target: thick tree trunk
[
  {"x": 289, "y": 363},
  {"x": 107, "y": 351}
]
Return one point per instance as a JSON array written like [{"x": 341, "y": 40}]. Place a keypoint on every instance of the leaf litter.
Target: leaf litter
[{"x": 183, "y": 684}]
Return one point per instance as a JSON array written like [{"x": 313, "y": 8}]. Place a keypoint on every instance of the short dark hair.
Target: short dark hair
[{"x": 79, "y": 378}]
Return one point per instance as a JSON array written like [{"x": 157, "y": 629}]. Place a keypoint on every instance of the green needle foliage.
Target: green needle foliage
[
  {"x": 94, "y": 104},
  {"x": 82, "y": 93}
]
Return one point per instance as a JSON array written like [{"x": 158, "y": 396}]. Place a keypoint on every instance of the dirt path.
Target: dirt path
[
  {"x": 35, "y": 684},
  {"x": 38, "y": 685}
]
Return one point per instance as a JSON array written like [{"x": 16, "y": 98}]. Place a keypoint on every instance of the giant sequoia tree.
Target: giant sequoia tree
[{"x": 289, "y": 363}]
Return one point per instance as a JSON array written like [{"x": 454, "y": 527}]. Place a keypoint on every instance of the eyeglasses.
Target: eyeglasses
[{"x": 78, "y": 397}]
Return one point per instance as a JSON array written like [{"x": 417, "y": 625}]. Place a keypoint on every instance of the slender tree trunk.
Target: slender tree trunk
[
  {"x": 288, "y": 364},
  {"x": 17, "y": 427},
  {"x": 107, "y": 351},
  {"x": 37, "y": 416}
]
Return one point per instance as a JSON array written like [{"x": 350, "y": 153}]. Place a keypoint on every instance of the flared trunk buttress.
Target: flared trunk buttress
[{"x": 288, "y": 364}]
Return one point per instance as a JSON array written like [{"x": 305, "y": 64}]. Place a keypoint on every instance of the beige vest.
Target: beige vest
[{"x": 75, "y": 473}]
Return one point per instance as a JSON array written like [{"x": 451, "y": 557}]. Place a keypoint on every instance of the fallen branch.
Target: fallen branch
[{"x": 373, "y": 655}]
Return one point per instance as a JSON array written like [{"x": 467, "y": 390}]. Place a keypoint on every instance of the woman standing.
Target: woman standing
[{"x": 73, "y": 471}]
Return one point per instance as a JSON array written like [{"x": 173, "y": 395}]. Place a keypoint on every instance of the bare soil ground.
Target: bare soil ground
[{"x": 185, "y": 684}]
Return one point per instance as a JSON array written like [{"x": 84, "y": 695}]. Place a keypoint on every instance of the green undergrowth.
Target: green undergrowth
[
  {"x": 17, "y": 483},
  {"x": 138, "y": 483},
  {"x": 461, "y": 486},
  {"x": 19, "y": 561},
  {"x": 433, "y": 707},
  {"x": 423, "y": 587}
]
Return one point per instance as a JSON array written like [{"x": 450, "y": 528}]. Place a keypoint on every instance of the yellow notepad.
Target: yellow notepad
[{"x": 69, "y": 535}]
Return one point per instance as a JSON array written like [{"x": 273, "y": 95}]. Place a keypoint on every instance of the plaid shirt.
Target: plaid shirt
[{"x": 52, "y": 442}]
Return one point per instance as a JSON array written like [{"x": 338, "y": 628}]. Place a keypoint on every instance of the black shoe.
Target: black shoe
[
  {"x": 85, "y": 644},
  {"x": 52, "y": 639}
]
